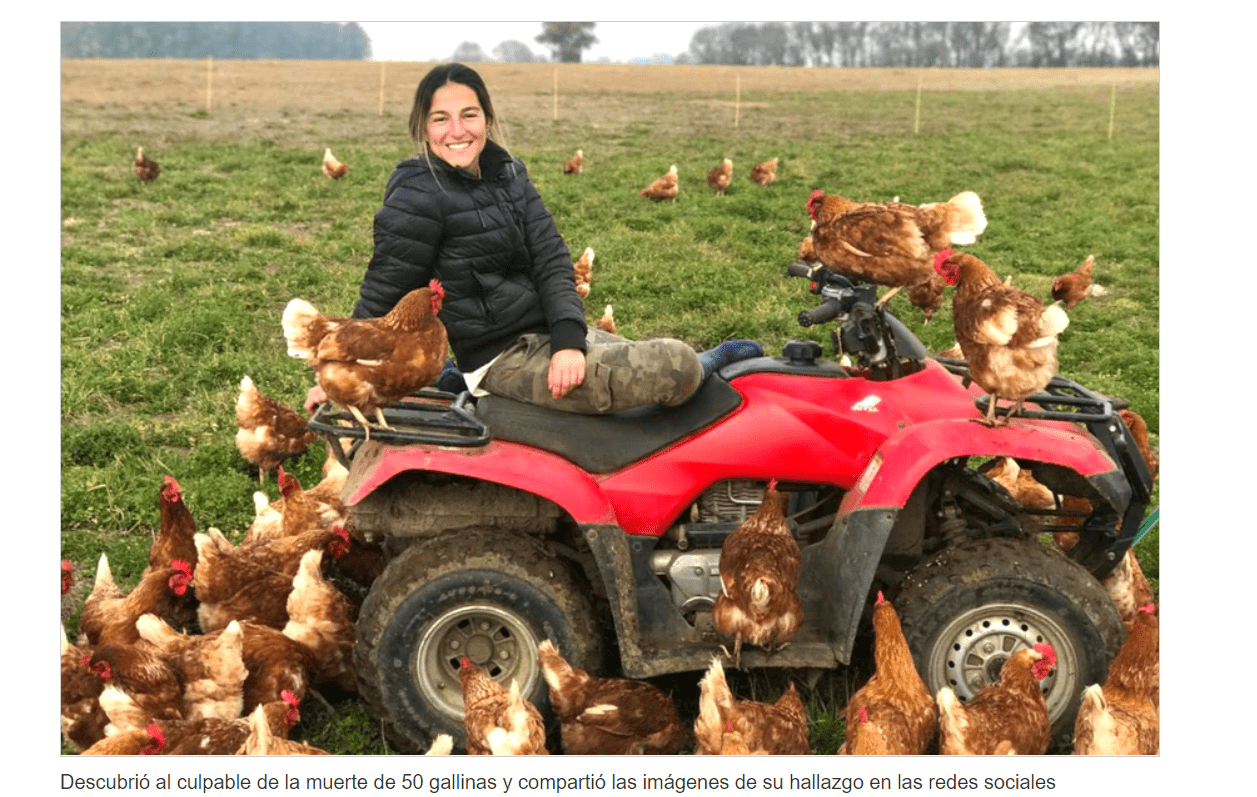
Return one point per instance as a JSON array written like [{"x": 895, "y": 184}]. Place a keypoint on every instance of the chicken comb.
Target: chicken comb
[
  {"x": 1049, "y": 655},
  {"x": 942, "y": 257},
  {"x": 435, "y": 285},
  {"x": 880, "y": 598},
  {"x": 1148, "y": 608},
  {"x": 170, "y": 489},
  {"x": 182, "y": 567},
  {"x": 463, "y": 661},
  {"x": 864, "y": 714},
  {"x": 287, "y": 482},
  {"x": 155, "y": 731},
  {"x": 728, "y": 727},
  {"x": 87, "y": 660},
  {"x": 290, "y": 697},
  {"x": 772, "y": 485},
  {"x": 67, "y": 566}
]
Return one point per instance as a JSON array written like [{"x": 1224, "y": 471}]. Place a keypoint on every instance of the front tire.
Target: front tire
[
  {"x": 965, "y": 611},
  {"x": 490, "y": 596}
]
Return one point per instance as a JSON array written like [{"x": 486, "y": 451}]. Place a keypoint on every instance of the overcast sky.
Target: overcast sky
[{"x": 433, "y": 41}]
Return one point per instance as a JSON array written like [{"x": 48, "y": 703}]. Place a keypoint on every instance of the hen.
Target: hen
[
  {"x": 109, "y": 615},
  {"x": 146, "y": 169},
  {"x": 895, "y": 706},
  {"x": 1012, "y": 710},
  {"x": 321, "y": 618},
  {"x": 582, "y": 271},
  {"x": 234, "y": 586},
  {"x": 176, "y": 531},
  {"x": 609, "y": 716},
  {"x": 1075, "y": 286},
  {"x": 576, "y": 164},
  {"x": 147, "y": 674},
  {"x": 663, "y": 188},
  {"x": 332, "y": 167},
  {"x": 764, "y": 173},
  {"x": 1007, "y": 336},
  {"x": 262, "y": 738},
  {"x": 928, "y": 296},
  {"x": 364, "y": 364},
  {"x": 268, "y": 432},
  {"x": 211, "y": 666},
  {"x": 778, "y": 728},
  {"x": 320, "y": 505},
  {"x": 1121, "y": 717},
  {"x": 607, "y": 322},
  {"x": 1020, "y": 483},
  {"x": 147, "y": 741},
  {"x": 759, "y": 573},
  {"x": 82, "y": 720},
  {"x": 890, "y": 244},
  {"x": 203, "y": 736},
  {"x": 498, "y": 722},
  {"x": 720, "y": 176}
]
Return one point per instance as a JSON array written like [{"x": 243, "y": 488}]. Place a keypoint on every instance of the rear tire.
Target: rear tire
[
  {"x": 966, "y": 610},
  {"x": 485, "y": 594}
]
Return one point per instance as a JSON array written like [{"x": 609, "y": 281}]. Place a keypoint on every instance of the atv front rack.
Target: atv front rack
[
  {"x": 427, "y": 416},
  {"x": 1066, "y": 400}
]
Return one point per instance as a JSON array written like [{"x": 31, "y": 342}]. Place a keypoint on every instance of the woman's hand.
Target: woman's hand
[
  {"x": 567, "y": 370},
  {"x": 314, "y": 397}
]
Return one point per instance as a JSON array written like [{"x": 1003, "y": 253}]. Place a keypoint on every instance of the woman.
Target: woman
[{"x": 465, "y": 212}]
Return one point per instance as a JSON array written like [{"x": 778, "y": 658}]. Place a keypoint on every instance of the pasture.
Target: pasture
[{"x": 172, "y": 291}]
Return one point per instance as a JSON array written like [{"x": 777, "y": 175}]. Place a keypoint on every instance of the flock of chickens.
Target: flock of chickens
[{"x": 273, "y": 628}]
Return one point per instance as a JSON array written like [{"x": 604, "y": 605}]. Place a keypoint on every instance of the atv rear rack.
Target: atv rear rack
[{"x": 428, "y": 416}]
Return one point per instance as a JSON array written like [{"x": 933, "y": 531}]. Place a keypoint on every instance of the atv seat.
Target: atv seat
[{"x": 604, "y": 443}]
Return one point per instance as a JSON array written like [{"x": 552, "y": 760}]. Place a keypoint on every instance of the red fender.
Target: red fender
[
  {"x": 904, "y": 459},
  {"x": 524, "y": 468}
]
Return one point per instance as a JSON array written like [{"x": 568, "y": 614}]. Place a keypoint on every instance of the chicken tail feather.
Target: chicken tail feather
[{"x": 969, "y": 221}]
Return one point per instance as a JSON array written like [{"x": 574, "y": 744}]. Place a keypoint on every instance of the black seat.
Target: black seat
[{"x": 604, "y": 443}]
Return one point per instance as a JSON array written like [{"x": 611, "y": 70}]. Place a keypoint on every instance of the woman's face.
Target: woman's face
[{"x": 456, "y": 127}]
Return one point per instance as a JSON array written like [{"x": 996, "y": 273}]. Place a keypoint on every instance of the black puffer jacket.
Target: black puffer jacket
[{"x": 490, "y": 241}]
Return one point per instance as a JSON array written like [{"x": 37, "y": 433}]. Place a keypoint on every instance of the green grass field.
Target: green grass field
[{"x": 170, "y": 292}]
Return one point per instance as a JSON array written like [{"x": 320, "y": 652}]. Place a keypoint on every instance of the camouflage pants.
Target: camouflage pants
[{"x": 619, "y": 374}]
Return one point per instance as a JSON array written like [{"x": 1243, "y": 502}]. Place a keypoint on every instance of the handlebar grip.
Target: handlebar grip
[
  {"x": 825, "y": 311},
  {"x": 801, "y": 270}
]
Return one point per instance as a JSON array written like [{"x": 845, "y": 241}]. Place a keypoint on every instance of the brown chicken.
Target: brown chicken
[
  {"x": 607, "y": 322},
  {"x": 582, "y": 270},
  {"x": 894, "y": 706},
  {"x": 203, "y": 736},
  {"x": 109, "y": 615},
  {"x": 1120, "y": 717},
  {"x": 1012, "y": 710},
  {"x": 576, "y": 164},
  {"x": 268, "y": 432},
  {"x": 663, "y": 188},
  {"x": 148, "y": 741},
  {"x": 82, "y": 720},
  {"x": 764, "y": 173},
  {"x": 176, "y": 532},
  {"x": 720, "y": 176},
  {"x": 928, "y": 296},
  {"x": 147, "y": 674},
  {"x": 778, "y": 728},
  {"x": 1008, "y": 337},
  {"x": 609, "y": 716},
  {"x": 235, "y": 586},
  {"x": 1075, "y": 286},
  {"x": 67, "y": 576},
  {"x": 262, "y": 738},
  {"x": 866, "y": 737},
  {"x": 320, "y": 505},
  {"x": 890, "y": 244},
  {"x": 497, "y": 721},
  {"x": 807, "y": 250},
  {"x": 1020, "y": 483},
  {"x": 333, "y": 168},
  {"x": 146, "y": 169},
  {"x": 211, "y": 666},
  {"x": 364, "y": 364},
  {"x": 321, "y": 618},
  {"x": 759, "y": 573}
]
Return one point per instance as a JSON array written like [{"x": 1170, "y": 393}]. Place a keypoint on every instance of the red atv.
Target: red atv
[{"x": 508, "y": 524}]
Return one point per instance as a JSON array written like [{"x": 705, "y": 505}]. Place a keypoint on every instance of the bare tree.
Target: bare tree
[
  {"x": 567, "y": 40},
  {"x": 514, "y": 50}
]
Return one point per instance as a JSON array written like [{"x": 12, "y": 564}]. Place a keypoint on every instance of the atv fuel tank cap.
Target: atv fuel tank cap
[{"x": 801, "y": 352}]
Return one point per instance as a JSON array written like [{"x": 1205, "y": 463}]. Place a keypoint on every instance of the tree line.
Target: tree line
[
  {"x": 927, "y": 44},
  {"x": 308, "y": 40}
]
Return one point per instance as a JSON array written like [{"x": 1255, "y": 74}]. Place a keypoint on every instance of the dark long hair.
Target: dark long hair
[{"x": 438, "y": 76}]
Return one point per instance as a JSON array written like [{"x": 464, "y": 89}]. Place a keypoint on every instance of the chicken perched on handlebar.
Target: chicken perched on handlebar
[{"x": 893, "y": 243}]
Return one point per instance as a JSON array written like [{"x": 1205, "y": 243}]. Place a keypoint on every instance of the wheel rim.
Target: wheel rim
[
  {"x": 494, "y": 638},
  {"x": 972, "y": 648}
]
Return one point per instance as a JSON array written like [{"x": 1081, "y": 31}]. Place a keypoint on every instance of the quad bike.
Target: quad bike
[{"x": 508, "y": 524}]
